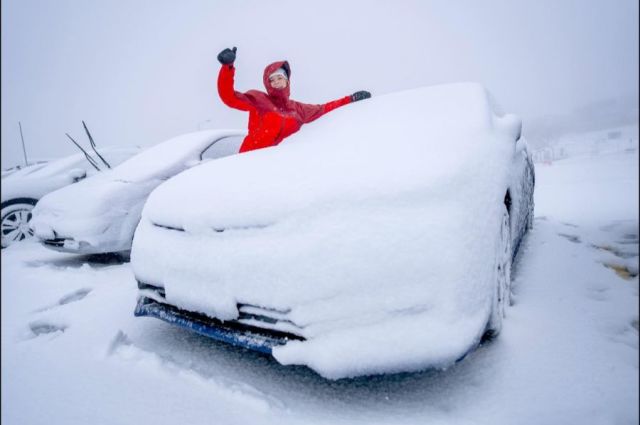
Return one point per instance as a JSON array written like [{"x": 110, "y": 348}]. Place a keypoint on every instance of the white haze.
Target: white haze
[{"x": 139, "y": 72}]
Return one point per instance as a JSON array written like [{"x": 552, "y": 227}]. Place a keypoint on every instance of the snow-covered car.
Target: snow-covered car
[
  {"x": 34, "y": 164},
  {"x": 22, "y": 188},
  {"x": 380, "y": 240},
  {"x": 100, "y": 214}
]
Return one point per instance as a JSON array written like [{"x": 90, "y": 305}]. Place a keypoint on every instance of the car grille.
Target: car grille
[
  {"x": 218, "y": 230},
  {"x": 178, "y": 229},
  {"x": 59, "y": 242}
]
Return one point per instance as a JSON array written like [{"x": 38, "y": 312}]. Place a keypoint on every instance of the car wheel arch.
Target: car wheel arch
[
  {"x": 14, "y": 201},
  {"x": 502, "y": 294}
]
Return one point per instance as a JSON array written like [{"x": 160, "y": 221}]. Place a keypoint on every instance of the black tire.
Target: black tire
[
  {"x": 16, "y": 215},
  {"x": 502, "y": 292}
]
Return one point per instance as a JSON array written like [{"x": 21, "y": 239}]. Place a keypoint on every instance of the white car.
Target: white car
[
  {"x": 22, "y": 188},
  {"x": 376, "y": 241},
  {"x": 23, "y": 168},
  {"x": 99, "y": 215}
]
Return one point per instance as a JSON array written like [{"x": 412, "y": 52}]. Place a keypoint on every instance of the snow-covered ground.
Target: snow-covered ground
[
  {"x": 72, "y": 352},
  {"x": 593, "y": 143}
]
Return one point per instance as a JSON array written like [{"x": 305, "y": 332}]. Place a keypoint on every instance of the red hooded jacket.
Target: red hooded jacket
[{"x": 272, "y": 115}]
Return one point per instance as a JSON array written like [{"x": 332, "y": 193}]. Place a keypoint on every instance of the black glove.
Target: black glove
[
  {"x": 227, "y": 56},
  {"x": 360, "y": 95}
]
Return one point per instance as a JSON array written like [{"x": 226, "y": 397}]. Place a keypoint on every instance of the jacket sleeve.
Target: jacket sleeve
[
  {"x": 311, "y": 113},
  {"x": 229, "y": 96}
]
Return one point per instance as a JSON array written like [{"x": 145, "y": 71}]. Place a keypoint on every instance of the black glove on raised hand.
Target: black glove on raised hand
[
  {"x": 360, "y": 95},
  {"x": 227, "y": 56}
]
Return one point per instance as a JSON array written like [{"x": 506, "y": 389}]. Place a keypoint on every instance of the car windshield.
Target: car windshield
[{"x": 171, "y": 156}]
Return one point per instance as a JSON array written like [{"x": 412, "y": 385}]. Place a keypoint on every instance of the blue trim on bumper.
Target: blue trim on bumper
[{"x": 227, "y": 332}]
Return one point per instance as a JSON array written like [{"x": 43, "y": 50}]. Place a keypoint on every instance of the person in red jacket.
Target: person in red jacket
[{"x": 272, "y": 115}]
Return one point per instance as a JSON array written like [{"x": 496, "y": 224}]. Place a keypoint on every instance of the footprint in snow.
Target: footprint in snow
[
  {"x": 615, "y": 251},
  {"x": 41, "y": 327},
  {"x": 624, "y": 334},
  {"x": 626, "y": 230},
  {"x": 69, "y": 298},
  {"x": 597, "y": 292},
  {"x": 74, "y": 296},
  {"x": 572, "y": 238},
  {"x": 570, "y": 224},
  {"x": 120, "y": 340}
]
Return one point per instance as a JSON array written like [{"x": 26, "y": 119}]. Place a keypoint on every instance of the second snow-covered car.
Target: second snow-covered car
[
  {"x": 380, "y": 240},
  {"x": 23, "y": 188},
  {"x": 99, "y": 215}
]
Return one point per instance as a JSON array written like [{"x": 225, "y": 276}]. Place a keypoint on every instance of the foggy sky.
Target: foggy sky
[{"x": 139, "y": 72}]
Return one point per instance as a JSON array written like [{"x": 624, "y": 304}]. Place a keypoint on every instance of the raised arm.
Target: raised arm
[
  {"x": 311, "y": 113},
  {"x": 228, "y": 94}
]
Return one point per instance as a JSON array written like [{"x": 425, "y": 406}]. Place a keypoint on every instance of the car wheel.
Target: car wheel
[
  {"x": 16, "y": 215},
  {"x": 502, "y": 293}
]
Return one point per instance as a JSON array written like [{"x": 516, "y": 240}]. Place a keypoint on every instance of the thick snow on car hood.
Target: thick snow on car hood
[
  {"x": 85, "y": 210},
  {"x": 375, "y": 229}
]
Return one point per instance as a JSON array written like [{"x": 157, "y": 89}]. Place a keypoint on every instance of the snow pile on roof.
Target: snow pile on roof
[{"x": 375, "y": 228}]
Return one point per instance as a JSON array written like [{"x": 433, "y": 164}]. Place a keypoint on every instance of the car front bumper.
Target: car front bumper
[
  {"x": 72, "y": 246},
  {"x": 230, "y": 332},
  {"x": 68, "y": 245}
]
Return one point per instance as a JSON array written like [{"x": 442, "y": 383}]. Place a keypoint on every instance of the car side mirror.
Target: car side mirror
[
  {"x": 77, "y": 174},
  {"x": 513, "y": 123}
]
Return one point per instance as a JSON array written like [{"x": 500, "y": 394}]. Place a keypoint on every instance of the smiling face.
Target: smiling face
[{"x": 278, "y": 81}]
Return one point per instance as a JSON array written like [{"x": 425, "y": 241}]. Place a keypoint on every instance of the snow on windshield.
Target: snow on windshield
[{"x": 171, "y": 156}]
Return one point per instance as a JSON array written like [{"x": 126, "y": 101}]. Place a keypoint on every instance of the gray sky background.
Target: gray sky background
[{"x": 139, "y": 72}]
